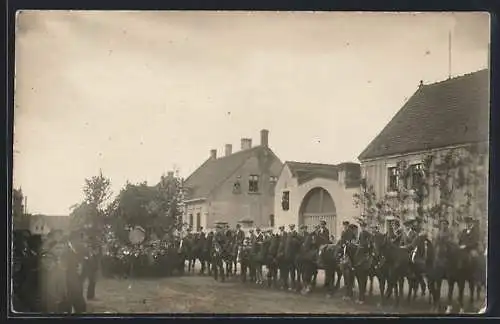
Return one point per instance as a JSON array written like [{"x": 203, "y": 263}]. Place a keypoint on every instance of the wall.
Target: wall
[
  {"x": 194, "y": 208},
  {"x": 226, "y": 206},
  {"x": 342, "y": 197},
  {"x": 376, "y": 174}
]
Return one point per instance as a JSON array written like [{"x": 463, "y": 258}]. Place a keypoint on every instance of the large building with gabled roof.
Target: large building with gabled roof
[
  {"x": 451, "y": 114},
  {"x": 237, "y": 186}
]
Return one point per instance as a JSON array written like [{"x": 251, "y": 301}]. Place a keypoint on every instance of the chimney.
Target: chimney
[
  {"x": 246, "y": 143},
  {"x": 229, "y": 149},
  {"x": 264, "y": 137},
  {"x": 213, "y": 154}
]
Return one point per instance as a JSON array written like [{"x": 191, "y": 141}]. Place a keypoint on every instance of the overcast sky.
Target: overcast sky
[{"x": 140, "y": 93}]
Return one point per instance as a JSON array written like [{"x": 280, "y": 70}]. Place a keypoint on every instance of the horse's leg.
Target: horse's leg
[
  {"x": 362, "y": 278},
  {"x": 471, "y": 291},
  {"x": 451, "y": 286},
  {"x": 461, "y": 288}
]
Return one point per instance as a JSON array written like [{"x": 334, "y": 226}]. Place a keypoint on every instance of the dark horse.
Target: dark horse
[
  {"x": 356, "y": 264},
  {"x": 307, "y": 261},
  {"x": 379, "y": 267},
  {"x": 457, "y": 266},
  {"x": 217, "y": 256},
  {"x": 329, "y": 261},
  {"x": 396, "y": 263},
  {"x": 292, "y": 247},
  {"x": 271, "y": 259}
]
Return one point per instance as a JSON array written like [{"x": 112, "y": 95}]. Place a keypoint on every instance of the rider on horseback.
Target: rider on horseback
[
  {"x": 323, "y": 234},
  {"x": 469, "y": 238}
]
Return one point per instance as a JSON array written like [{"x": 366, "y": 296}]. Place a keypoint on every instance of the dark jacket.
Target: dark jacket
[
  {"x": 323, "y": 236},
  {"x": 346, "y": 236},
  {"x": 469, "y": 238},
  {"x": 365, "y": 239},
  {"x": 240, "y": 237}
]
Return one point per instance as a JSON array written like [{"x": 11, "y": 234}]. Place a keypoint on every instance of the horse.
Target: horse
[
  {"x": 462, "y": 268},
  {"x": 258, "y": 254},
  {"x": 396, "y": 261},
  {"x": 329, "y": 260},
  {"x": 356, "y": 264},
  {"x": 421, "y": 259},
  {"x": 292, "y": 247},
  {"x": 217, "y": 254},
  {"x": 307, "y": 261},
  {"x": 187, "y": 250},
  {"x": 244, "y": 258},
  {"x": 379, "y": 267},
  {"x": 271, "y": 260}
]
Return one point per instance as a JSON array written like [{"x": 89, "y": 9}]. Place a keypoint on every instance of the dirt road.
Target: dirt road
[{"x": 202, "y": 294}]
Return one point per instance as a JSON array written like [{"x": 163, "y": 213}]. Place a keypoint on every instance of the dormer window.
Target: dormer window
[{"x": 253, "y": 183}]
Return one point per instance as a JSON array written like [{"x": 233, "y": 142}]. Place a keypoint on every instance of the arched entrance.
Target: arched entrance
[{"x": 318, "y": 205}]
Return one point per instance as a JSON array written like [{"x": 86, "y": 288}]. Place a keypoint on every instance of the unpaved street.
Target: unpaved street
[{"x": 202, "y": 294}]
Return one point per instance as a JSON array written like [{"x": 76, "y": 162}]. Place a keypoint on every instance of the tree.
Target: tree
[
  {"x": 92, "y": 211},
  {"x": 155, "y": 208},
  {"x": 458, "y": 175}
]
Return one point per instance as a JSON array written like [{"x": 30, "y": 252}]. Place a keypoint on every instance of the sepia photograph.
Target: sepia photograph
[{"x": 250, "y": 162}]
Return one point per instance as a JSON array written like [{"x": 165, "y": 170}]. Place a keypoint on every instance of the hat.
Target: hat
[
  {"x": 362, "y": 223},
  {"x": 353, "y": 226},
  {"x": 291, "y": 226},
  {"x": 258, "y": 229},
  {"x": 345, "y": 223},
  {"x": 303, "y": 227},
  {"x": 323, "y": 222},
  {"x": 409, "y": 221},
  {"x": 281, "y": 227}
]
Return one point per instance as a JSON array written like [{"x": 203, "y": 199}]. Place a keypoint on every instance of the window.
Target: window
[
  {"x": 285, "y": 200},
  {"x": 414, "y": 177},
  {"x": 237, "y": 187},
  {"x": 191, "y": 220},
  {"x": 271, "y": 220},
  {"x": 198, "y": 222},
  {"x": 253, "y": 183},
  {"x": 393, "y": 179}
]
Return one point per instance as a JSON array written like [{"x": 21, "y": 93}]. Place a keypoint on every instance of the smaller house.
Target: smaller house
[
  {"x": 43, "y": 224},
  {"x": 307, "y": 193},
  {"x": 238, "y": 185}
]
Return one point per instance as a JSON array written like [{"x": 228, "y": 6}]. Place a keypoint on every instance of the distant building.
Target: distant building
[
  {"x": 450, "y": 114},
  {"x": 233, "y": 187},
  {"x": 307, "y": 193},
  {"x": 43, "y": 224}
]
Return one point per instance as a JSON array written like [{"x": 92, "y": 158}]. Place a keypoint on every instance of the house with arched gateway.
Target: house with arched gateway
[{"x": 307, "y": 193}]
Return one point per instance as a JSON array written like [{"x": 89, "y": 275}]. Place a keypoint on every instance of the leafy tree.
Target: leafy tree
[
  {"x": 155, "y": 208},
  {"x": 458, "y": 175}
]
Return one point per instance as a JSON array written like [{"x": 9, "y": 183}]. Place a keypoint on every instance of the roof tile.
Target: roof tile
[{"x": 450, "y": 112}]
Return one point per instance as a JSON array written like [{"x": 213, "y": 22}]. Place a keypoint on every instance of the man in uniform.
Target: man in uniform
[
  {"x": 240, "y": 235},
  {"x": 395, "y": 232},
  {"x": 323, "y": 234},
  {"x": 411, "y": 233},
  {"x": 281, "y": 255},
  {"x": 347, "y": 234},
  {"x": 469, "y": 238},
  {"x": 444, "y": 235},
  {"x": 365, "y": 237},
  {"x": 252, "y": 236}
]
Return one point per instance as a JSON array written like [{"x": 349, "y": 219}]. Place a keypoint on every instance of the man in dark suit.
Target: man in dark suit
[
  {"x": 239, "y": 235},
  {"x": 323, "y": 234},
  {"x": 347, "y": 234},
  {"x": 365, "y": 238},
  {"x": 469, "y": 237}
]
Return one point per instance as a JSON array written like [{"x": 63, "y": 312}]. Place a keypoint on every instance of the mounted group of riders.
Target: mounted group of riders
[{"x": 293, "y": 257}]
